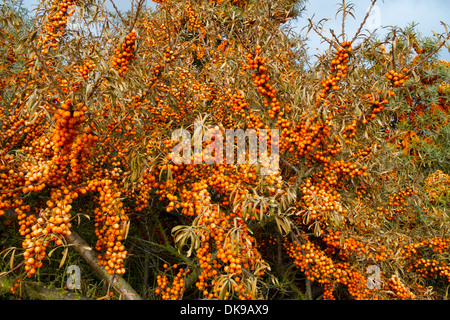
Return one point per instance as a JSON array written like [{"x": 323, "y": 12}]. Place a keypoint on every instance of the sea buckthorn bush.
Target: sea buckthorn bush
[{"x": 86, "y": 149}]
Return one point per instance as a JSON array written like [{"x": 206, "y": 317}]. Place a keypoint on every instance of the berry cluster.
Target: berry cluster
[
  {"x": 55, "y": 27},
  {"x": 110, "y": 227},
  {"x": 176, "y": 290},
  {"x": 125, "y": 53},
  {"x": 397, "y": 78}
]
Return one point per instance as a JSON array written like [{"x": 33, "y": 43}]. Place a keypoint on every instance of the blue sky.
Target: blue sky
[{"x": 427, "y": 13}]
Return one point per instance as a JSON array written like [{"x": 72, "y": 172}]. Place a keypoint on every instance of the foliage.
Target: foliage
[{"x": 86, "y": 123}]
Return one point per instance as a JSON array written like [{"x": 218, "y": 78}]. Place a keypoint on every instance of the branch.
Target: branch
[
  {"x": 119, "y": 284},
  {"x": 136, "y": 15},
  {"x": 320, "y": 33},
  {"x": 118, "y": 12},
  {"x": 364, "y": 21}
]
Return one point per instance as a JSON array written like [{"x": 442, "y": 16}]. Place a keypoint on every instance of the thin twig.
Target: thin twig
[
  {"x": 344, "y": 14},
  {"x": 118, "y": 12},
  {"x": 136, "y": 15},
  {"x": 364, "y": 21}
]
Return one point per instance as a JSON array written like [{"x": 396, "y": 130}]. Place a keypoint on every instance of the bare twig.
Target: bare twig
[
  {"x": 136, "y": 15},
  {"x": 308, "y": 282},
  {"x": 118, "y": 12}
]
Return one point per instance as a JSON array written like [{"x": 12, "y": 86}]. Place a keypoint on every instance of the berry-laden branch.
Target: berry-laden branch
[
  {"x": 89, "y": 124},
  {"x": 117, "y": 282}
]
